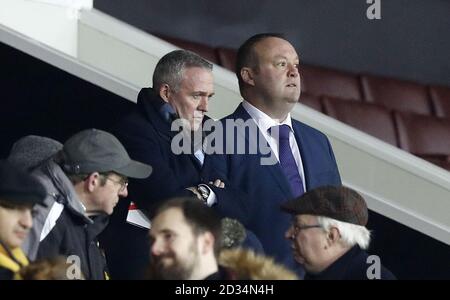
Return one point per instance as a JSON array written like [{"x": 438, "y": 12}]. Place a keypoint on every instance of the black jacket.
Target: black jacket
[
  {"x": 146, "y": 134},
  {"x": 73, "y": 234},
  {"x": 352, "y": 265},
  {"x": 6, "y": 274}
]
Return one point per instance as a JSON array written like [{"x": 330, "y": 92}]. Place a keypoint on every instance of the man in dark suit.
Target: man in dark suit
[
  {"x": 290, "y": 157},
  {"x": 182, "y": 86}
]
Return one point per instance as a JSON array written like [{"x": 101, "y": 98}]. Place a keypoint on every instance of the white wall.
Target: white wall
[{"x": 51, "y": 22}]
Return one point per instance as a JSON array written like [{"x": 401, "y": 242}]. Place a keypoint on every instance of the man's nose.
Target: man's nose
[
  {"x": 156, "y": 249},
  {"x": 123, "y": 193},
  {"x": 203, "y": 105},
  {"x": 26, "y": 219},
  {"x": 289, "y": 234},
  {"x": 293, "y": 70}
]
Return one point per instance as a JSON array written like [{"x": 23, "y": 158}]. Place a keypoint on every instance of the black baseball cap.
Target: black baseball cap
[{"x": 19, "y": 187}]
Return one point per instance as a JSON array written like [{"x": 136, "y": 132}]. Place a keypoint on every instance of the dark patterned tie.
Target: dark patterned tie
[{"x": 287, "y": 160}]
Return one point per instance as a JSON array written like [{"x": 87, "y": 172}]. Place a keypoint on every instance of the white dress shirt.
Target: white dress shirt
[{"x": 264, "y": 123}]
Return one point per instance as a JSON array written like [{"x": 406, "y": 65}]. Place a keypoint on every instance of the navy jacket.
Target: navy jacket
[
  {"x": 6, "y": 274},
  {"x": 147, "y": 136},
  {"x": 352, "y": 265},
  {"x": 72, "y": 235},
  {"x": 266, "y": 186}
]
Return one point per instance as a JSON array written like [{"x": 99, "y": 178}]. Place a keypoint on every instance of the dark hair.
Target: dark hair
[
  {"x": 11, "y": 204},
  {"x": 199, "y": 216},
  {"x": 169, "y": 69},
  {"x": 246, "y": 56}
]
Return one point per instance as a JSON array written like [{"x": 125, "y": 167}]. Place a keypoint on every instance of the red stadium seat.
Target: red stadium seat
[
  {"x": 373, "y": 119},
  {"x": 227, "y": 58},
  {"x": 396, "y": 94},
  {"x": 311, "y": 101},
  {"x": 440, "y": 97},
  {"x": 204, "y": 51},
  {"x": 328, "y": 82},
  {"x": 424, "y": 136}
]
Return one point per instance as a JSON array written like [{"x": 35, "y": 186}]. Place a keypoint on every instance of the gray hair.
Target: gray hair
[
  {"x": 171, "y": 66},
  {"x": 351, "y": 234}
]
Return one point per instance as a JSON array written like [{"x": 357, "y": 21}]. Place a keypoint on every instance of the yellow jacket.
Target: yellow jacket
[{"x": 13, "y": 264}]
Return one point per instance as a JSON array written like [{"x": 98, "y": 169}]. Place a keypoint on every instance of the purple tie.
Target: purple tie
[{"x": 287, "y": 161}]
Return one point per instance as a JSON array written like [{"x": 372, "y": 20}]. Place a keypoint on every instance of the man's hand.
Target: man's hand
[
  {"x": 218, "y": 183},
  {"x": 194, "y": 190}
]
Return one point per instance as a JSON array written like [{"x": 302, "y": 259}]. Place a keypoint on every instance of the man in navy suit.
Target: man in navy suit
[
  {"x": 291, "y": 157},
  {"x": 182, "y": 86}
]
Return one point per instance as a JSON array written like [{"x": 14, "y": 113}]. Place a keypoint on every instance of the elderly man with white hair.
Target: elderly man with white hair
[{"x": 329, "y": 236}]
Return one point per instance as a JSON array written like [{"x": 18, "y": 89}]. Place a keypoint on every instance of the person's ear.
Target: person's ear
[
  {"x": 247, "y": 76},
  {"x": 333, "y": 236},
  {"x": 164, "y": 92},
  {"x": 92, "y": 181},
  {"x": 207, "y": 243}
]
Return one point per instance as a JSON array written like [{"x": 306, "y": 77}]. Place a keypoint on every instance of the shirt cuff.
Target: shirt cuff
[{"x": 212, "y": 198}]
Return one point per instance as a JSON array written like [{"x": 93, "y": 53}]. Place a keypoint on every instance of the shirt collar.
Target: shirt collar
[{"x": 264, "y": 121}]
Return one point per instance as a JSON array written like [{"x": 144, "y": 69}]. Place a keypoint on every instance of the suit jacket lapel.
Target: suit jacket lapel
[
  {"x": 198, "y": 165},
  {"x": 275, "y": 170},
  {"x": 298, "y": 133}
]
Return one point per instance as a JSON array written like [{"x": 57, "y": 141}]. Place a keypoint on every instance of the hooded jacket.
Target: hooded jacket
[{"x": 63, "y": 228}]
